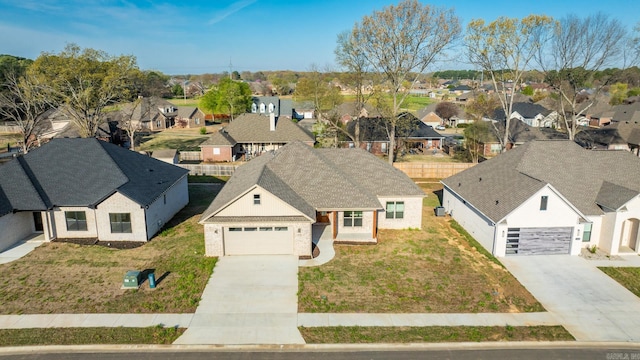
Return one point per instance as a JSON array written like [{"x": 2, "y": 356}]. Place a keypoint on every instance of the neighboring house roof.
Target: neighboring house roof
[
  {"x": 186, "y": 112},
  {"x": 462, "y": 88},
  {"x": 424, "y": 131},
  {"x": 254, "y": 128},
  {"x": 519, "y": 133},
  {"x": 350, "y": 108},
  {"x": 49, "y": 176},
  {"x": 526, "y": 109},
  {"x": 164, "y": 153},
  {"x": 616, "y": 133},
  {"x": 317, "y": 179},
  {"x": 585, "y": 178},
  {"x": 431, "y": 108}
]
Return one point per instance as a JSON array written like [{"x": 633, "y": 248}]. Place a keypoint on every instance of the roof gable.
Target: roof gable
[{"x": 252, "y": 128}]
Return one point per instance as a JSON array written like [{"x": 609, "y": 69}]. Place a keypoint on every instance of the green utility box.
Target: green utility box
[{"x": 131, "y": 279}]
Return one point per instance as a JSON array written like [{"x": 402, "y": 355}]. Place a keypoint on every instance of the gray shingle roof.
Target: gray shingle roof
[
  {"x": 497, "y": 186},
  {"x": 317, "y": 179},
  {"x": 526, "y": 109},
  {"x": 254, "y": 128},
  {"x": 83, "y": 172}
]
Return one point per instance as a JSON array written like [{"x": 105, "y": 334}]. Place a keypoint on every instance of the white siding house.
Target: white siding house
[{"x": 531, "y": 201}]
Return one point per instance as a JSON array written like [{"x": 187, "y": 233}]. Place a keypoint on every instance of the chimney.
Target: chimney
[{"x": 272, "y": 122}]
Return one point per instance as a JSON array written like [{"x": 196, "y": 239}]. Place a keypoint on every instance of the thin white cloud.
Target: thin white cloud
[{"x": 230, "y": 10}]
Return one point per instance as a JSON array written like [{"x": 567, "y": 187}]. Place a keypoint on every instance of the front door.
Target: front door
[{"x": 37, "y": 221}]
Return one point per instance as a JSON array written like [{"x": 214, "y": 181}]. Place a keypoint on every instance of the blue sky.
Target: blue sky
[{"x": 194, "y": 37}]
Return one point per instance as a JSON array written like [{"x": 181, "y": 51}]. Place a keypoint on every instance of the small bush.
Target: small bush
[
  {"x": 203, "y": 130},
  {"x": 592, "y": 249},
  {"x": 462, "y": 126}
]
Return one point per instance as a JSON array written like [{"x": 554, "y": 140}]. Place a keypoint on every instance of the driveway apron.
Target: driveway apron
[
  {"x": 587, "y": 302},
  {"x": 248, "y": 300}
]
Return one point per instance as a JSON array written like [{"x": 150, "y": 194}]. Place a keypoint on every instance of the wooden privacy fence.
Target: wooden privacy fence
[
  {"x": 209, "y": 169},
  {"x": 431, "y": 170},
  {"x": 13, "y": 129},
  {"x": 190, "y": 156}
]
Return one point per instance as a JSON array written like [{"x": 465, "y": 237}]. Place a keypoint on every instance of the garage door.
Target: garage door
[
  {"x": 258, "y": 240},
  {"x": 539, "y": 241}
]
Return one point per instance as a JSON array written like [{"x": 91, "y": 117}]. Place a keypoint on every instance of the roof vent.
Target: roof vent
[
  {"x": 480, "y": 179},
  {"x": 150, "y": 170},
  {"x": 497, "y": 202},
  {"x": 459, "y": 184}
]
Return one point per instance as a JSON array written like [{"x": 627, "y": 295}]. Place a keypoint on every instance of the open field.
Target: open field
[
  {"x": 183, "y": 102},
  {"x": 89, "y": 336},
  {"x": 432, "y": 334},
  {"x": 69, "y": 278},
  {"x": 429, "y": 270},
  {"x": 412, "y": 103},
  {"x": 181, "y": 139}
]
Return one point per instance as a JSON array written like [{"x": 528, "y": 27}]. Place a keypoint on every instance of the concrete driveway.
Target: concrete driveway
[
  {"x": 248, "y": 300},
  {"x": 587, "y": 302}
]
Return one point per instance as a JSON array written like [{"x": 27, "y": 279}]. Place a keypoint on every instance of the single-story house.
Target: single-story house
[
  {"x": 428, "y": 115},
  {"x": 272, "y": 204},
  {"x": 87, "y": 188},
  {"x": 250, "y": 135},
  {"x": 549, "y": 197},
  {"x": 190, "y": 117},
  {"x": 534, "y": 115}
]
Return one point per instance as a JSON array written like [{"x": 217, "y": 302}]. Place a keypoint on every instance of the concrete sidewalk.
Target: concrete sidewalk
[
  {"x": 93, "y": 320},
  {"x": 21, "y": 248}
]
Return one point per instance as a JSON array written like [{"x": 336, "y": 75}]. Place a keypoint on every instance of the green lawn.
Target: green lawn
[
  {"x": 432, "y": 334},
  {"x": 628, "y": 277},
  {"x": 89, "y": 336},
  {"x": 183, "y": 102},
  {"x": 172, "y": 139},
  {"x": 200, "y": 179},
  {"x": 69, "y": 278},
  {"x": 411, "y": 103},
  {"x": 435, "y": 269}
]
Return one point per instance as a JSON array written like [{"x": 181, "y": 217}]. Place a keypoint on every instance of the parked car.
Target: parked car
[{"x": 440, "y": 127}]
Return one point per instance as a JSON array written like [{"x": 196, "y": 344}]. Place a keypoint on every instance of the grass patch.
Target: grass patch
[
  {"x": 411, "y": 103},
  {"x": 432, "y": 334},
  {"x": 429, "y": 270},
  {"x": 200, "y": 179},
  {"x": 427, "y": 158},
  {"x": 474, "y": 242},
  {"x": 70, "y": 278},
  {"x": 89, "y": 336},
  {"x": 629, "y": 277},
  {"x": 180, "y": 139},
  {"x": 184, "y": 102}
]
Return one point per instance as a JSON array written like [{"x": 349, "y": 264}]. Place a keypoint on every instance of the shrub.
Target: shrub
[{"x": 203, "y": 130}]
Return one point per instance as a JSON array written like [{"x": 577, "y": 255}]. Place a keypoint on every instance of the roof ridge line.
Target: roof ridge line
[{"x": 42, "y": 194}]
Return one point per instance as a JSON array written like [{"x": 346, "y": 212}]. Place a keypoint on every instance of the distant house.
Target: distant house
[
  {"x": 190, "y": 117},
  {"x": 488, "y": 145},
  {"x": 534, "y": 115},
  {"x": 428, "y": 115},
  {"x": 150, "y": 114},
  {"x": 250, "y": 135},
  {"x": 348, "y": 111},
  {"x": 86, "y": 188},
  {"x": 280, "y": 202},
  {"x": 265, "y": 105},
  {"x": 549, "y": 197}
]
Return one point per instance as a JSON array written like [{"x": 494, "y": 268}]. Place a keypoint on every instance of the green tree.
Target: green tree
[
  {"x": 228, "y": 96},
  {"x": 177, "y": 90},
  {"x": 86, "y": 81},
  {"x": 618, "y": 92},
  {"x": 527, "y": 90},
  {"x": 504, "y": 49},
  {"x": 401, "y": 41}
]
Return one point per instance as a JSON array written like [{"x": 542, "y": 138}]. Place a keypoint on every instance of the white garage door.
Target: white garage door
[
  {"x": 539, "y": 241},
  {"x": 258, "y": 240}
]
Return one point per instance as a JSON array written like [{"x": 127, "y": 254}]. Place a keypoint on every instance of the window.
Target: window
[
  {"x": 586, "y": 232},
  {"x": 271, "y": 107},
  {"x": 216, "y": 151},
  {"x": 120, "y": 222},
  {"x": 265, "y": 229},
  {"x": 383, "y": 147},
  {"x": 250, "y": 229},
  {"x": 262, "y": 108},
  {"x": 158, "y": 123},
  {"x": 496, "y": 148},
  {"x": 543, "y": 202},
  {"x": 197, "y": 121},
  {"x": 235, "y": 229},
  {"x": 395, "y": 209},
  {"x": 353, "y": 218},
  {"x": 368, "y": 146},
  {"x": 256, "y": 199},
  {"x": 254, "y": 108},
  {"x": 76, "y": 220},
  {"x": 281, "y": 228}
]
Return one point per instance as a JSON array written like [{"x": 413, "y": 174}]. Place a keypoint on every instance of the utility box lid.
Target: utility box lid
[{"x": 131, "y": 279}]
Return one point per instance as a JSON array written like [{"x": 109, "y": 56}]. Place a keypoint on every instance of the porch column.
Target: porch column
[
  {"x": 334, "y": 225},
  {"x": 375, "y": 224}
]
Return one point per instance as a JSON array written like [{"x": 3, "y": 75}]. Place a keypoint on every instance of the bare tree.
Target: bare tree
[
  {"x": 24, "y": 103},
  {"x": 504, "y": 49},
  {"x": 402, "y": 40},
  {"x": 447, "y": 110},
  {"x": 131, "y": 117},
  {"x": 578, "y": 48}
]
